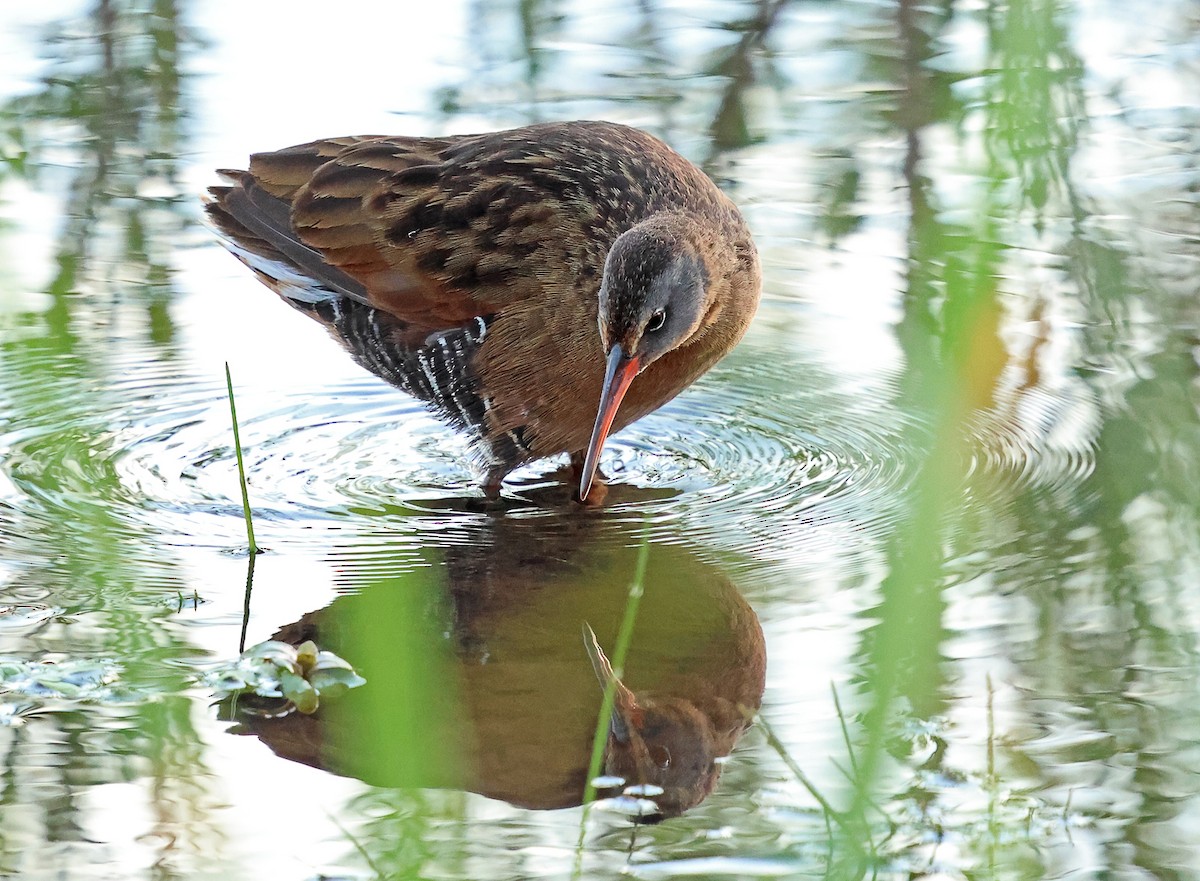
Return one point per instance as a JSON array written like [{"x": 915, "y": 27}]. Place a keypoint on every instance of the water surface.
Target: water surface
[{"x": 951, "y": 471}]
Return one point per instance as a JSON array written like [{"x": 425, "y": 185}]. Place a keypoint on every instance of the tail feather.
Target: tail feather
[{"x": 256, "y": 227}]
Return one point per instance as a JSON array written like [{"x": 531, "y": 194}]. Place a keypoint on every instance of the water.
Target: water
[{"x": 951, "y": 472}]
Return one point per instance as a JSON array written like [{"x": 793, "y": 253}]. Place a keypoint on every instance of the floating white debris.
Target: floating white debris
[
  {"x": 26, "y": 615},
  {"x": 608, "y": 781},
  {"x": 644, "y": 790},
  {"x": 714, "y": 867},
  {"x": 629, "y": 807}
]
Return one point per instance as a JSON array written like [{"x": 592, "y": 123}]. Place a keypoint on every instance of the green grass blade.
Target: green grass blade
[
  {"x": 624, "y": 638},
  {"x": 237, "y": 446},
  {"x": 600, "y": 739}
]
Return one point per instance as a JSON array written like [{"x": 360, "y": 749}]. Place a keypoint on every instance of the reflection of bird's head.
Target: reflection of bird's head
[{"x": 665, "y": 742}]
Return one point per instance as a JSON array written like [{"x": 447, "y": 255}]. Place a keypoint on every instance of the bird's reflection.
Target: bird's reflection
[{"x": 514, "y": 602}]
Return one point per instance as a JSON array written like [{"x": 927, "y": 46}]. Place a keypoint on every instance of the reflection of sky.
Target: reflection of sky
[
  {"x": 20, "y": 26},
  {"x": 275, "y": 72},
  {"x": 271, "y": 74},
  {"x": 285, "y": 73}
]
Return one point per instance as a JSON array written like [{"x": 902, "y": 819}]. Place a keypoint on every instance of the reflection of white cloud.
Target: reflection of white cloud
[
  {"x": 26, "y": 248},
  {"x": 269, "y": 344},
  {"x": 21, "y": 26},
  {"x": 280, "y": 73}
]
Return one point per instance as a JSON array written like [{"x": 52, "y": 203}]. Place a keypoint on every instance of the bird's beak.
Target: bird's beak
[
  {"x": 626, "y": 713},
  {"x": 620, "y": 372}
]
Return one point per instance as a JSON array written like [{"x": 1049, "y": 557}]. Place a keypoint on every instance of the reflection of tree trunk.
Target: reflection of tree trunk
[
  {"x": 120, "y": 85},
  {"x": 650, "y": 41},
  {"x": 931, "y": 388},
  {"x": 531, "y": 51},
  {"x": 904, "y": 648},
  {"x": 730, "y": 128},
  {"x": 106, "y": 20}
]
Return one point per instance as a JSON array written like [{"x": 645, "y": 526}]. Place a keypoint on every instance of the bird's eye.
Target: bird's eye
[{"x": 657, "y": 319}]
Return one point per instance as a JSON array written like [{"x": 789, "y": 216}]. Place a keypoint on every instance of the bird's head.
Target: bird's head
[{"x": 655, "y": 295}]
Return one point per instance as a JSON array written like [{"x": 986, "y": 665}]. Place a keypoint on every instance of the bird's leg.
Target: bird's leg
[
  {"x": 599, "y": 489},
  {"x": 492, "y": 482}
]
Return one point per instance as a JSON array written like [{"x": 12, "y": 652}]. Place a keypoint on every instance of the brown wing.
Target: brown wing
[
  {"x": 336, "y": 212},
  {"x": 304, "y": 211},
  {"x": 402, "y": 224},
  {"x": 373, "y": 238},
  {"x": 433, "y": 239}
]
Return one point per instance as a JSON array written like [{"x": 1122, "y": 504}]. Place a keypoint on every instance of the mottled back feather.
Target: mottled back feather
[{"x": 417, "y": 249}]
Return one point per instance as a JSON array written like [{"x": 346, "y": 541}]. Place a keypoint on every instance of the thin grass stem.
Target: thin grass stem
[
  {"x": 624, "y": 638},
  {"x": 600, "y": 739},
  {"x": 237, "y": 446}
]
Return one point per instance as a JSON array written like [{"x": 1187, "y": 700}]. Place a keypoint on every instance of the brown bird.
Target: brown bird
[{"x": 494, "y": 276}]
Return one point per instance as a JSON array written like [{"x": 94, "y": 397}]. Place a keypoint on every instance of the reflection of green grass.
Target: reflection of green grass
[
  {"x": 620, "y": 650},
  {"x": 942, "y": 817}
]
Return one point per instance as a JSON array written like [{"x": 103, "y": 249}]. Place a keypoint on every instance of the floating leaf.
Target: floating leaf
[
  {"x": 301, "y": 675},
  {"x": 299, "y": 691}
]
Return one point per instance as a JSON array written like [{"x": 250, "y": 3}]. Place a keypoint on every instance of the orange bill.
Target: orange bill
[{"x": 620, "y": 372}]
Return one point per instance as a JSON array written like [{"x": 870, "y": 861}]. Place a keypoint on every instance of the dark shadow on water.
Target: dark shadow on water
[{"x": 501, "y": 632}]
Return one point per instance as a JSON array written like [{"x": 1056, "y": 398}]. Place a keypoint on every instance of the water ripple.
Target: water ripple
[
  {"x": 1041, "y": 440},
  {"x": 789, "y": 467}
]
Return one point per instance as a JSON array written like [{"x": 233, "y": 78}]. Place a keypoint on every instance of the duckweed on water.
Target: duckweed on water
[
  {"x": 76, "y": 679},
  {"x": 299, "y": 676}
]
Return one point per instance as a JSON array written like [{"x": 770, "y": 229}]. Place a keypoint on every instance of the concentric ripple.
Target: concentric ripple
[
  {"x": 751, "y": 460},
  {"x": 1039, "y": 440},
  {"x": 772, "y": 468}
]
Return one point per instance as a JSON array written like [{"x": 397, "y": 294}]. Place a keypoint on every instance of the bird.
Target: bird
[{"x": 539, "y": 287}]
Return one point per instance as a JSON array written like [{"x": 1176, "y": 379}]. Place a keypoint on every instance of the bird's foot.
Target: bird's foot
[
  {"x": 596, "y": 496},
  {"x": 599, "y": 489}
]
